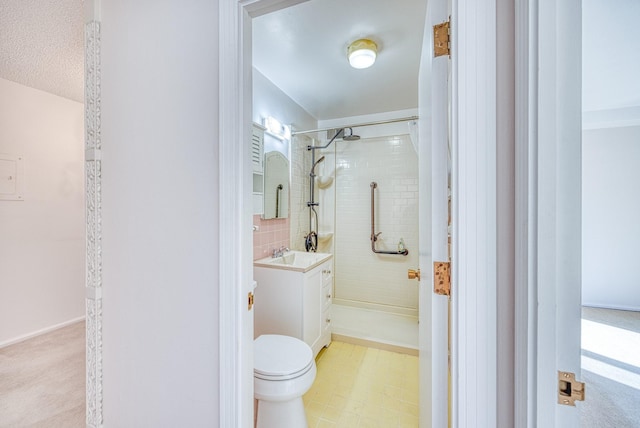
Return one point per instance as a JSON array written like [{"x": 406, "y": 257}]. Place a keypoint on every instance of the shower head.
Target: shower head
[
  {"x": 347, "y": 135},
  {"x": 314, "y": 165}
]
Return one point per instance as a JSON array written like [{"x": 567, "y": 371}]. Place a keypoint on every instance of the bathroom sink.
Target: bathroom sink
[{"x": 294, "y": 260}]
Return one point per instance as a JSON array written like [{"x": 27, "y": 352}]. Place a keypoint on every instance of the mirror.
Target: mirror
[{"x": 276, "y": 178}]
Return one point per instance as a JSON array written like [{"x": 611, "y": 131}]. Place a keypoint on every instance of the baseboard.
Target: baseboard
[
  {"x": 398, "y": 310},
  {"x": 614, "y": 307},
  {"x": 39, "y": 332},
  {"x": 374, "y": 344}
]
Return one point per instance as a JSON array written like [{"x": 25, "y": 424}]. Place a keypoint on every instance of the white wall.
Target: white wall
[
  {"x": 360, "y": 274},
  {"x": 610, "y": 217},
  {"x": 609, "y": 71},
  {"x": 160, "y": 219},
  {"x": 610, "y": 157},
  {"x": 42, "y": 237},
  {"x": 269, "y": 100}
]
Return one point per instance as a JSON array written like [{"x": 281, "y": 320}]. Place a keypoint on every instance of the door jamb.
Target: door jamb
[
  {"x": 236, "y": 362},
  {"x": 474, "y": 169},
  {"x": 547, "y": 118}
]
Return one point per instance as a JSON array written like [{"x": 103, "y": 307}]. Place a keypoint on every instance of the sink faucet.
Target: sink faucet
[{"x": 279, "y": 252}]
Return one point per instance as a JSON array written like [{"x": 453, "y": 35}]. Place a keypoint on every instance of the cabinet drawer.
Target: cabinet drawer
[
  {"x": 327, "y": 274},
  {"x": 326, "y": 320},
  {"x": 327, "y": 296}
]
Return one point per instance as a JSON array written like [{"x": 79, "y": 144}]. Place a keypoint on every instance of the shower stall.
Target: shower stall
[{"x": 362, "y": 204}]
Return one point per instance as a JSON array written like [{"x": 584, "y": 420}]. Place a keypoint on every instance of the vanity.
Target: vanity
[{"x": 293, "y": 297}]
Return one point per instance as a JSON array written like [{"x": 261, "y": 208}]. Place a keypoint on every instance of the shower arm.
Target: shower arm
[{"x": 314, "y": 148}]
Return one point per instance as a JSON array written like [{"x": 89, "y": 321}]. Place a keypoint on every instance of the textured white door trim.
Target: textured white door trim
[{"x": 93, "y": 198}]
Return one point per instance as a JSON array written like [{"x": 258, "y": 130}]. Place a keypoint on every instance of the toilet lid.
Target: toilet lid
[{"x": 283, "y": 357}]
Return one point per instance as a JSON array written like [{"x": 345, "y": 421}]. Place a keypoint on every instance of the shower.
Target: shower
[
  {"x": 311, "y": 240},
  {"x": 314, "y": 165},
  {"x": 372, "y": 299},
  {"x": 349, "y": 136}
]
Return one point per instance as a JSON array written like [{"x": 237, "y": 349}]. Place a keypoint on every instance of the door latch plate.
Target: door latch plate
[
  {"x": 250, "y": 301},
  {"x": 569, "y": 389}
]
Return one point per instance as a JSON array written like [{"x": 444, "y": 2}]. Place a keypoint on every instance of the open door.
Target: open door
[{"x": 433, "y": 173}]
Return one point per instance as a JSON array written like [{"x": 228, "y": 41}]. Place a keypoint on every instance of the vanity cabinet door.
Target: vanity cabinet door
[
  {"x": 312, "y": 307},
  {"x": 325, "y": 300}
]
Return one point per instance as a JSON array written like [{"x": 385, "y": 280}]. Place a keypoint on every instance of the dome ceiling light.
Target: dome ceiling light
[{"x": 362, "y": 53}]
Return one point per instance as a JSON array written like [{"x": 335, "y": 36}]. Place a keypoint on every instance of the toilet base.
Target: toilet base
[{"x": 278, "y": 414}]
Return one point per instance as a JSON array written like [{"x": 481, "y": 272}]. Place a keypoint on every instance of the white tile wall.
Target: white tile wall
[
  {"x": 362, "y": 277},
  {"x": 360, "y": 274},
  {"x": 300, "y": 167}
]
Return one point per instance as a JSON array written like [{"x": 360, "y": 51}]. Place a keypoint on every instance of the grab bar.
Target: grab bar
[
  {"x": 374, "y": 235},
  {"x": 278, "y": 189}
]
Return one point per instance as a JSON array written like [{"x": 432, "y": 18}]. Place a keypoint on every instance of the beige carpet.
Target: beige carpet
[
  {"x": 42, "y": 380},
  {"x": 610, "y": 368}
]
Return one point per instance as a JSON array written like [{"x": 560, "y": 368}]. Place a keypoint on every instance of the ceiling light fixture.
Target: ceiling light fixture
[{"x": 362, "y": 53}]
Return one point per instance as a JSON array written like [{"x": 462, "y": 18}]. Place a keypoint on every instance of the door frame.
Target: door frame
[
  {"x": 473, "y": 115},
  {"x": 548, "y": 173},
  {"x": 236, "y": 272}
]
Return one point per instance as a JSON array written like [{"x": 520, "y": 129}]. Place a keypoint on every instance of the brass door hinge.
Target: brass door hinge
[
  {"x": 250, "y": 299},
  {"x": 569, "y": 389},
  {"x": 442, "y": 278},
  {"x": 441, "y": 42}
]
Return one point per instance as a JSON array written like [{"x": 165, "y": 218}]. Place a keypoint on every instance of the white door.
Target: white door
[
  {"x": 433, "y": 167},
  {"x": 556, "y": 207}
]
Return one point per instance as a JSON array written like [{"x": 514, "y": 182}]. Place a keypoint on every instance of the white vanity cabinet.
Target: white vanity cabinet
[{"x": 295, "y": 302}]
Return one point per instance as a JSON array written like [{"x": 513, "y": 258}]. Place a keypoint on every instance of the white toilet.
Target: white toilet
[{"x": 283, "y": 370}]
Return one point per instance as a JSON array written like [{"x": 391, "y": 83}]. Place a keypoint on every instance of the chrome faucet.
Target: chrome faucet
[{"x": 279, "y": 252}]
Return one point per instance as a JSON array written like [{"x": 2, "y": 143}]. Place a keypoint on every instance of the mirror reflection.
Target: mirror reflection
[{"x": 276, "y": 177}]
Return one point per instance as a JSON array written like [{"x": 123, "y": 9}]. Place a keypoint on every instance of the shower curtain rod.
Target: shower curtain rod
[{"x": 379, "y": 122}]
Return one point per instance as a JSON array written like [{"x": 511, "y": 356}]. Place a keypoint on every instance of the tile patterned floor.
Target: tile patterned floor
[{"x": 359, "y": 387}]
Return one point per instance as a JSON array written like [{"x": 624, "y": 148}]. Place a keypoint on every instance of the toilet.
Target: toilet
[{"x": 284, "y": 369}]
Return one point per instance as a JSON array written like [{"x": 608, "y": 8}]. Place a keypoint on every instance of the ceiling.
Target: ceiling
[
  {"x": 303, "y": 50},
  {"x": 41, "y": 45}
]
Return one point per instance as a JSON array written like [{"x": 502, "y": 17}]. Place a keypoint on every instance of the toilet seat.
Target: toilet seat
[{"x": 278, "y": 357}]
